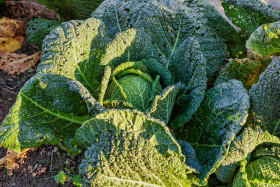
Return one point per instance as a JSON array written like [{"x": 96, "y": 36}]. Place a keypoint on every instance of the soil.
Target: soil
[{"x": 39, "y": 165}]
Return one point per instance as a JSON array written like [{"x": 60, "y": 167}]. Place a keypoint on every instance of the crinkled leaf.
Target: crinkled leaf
[
  {"x": 220, "y": 25},
  {"x": 72, "y": 9},
  {"x": 264, "y": 171},
  {"x": 46, "y": 111},
  {"x": 269, "y": 149},
  {"x": 133, "y": 89},
  {"x": 191, "y": 158},
  {"x": 265, "y": 40},
  {"x": 189, "y": 65},
  {"x": 112, "y": 120},
  {"x": 125, "y": 159},
  {"x": 74, "y": 50},
  {"x": 220, "y": 117},
  {"x": 240, "y": 148},
  {"x": 168, "y": 23},
  {"x": 248, "y": 15},
  {"x": 155, "y": 68},
  {"x": 243, "y": 70},
  {"x": 38, "y": 29},
  {"x": 265, "y": 96},
  {"x": 162, "y": 106},
  {"x": 110, "y": 104},
  {"x": 93, "y": 106}
]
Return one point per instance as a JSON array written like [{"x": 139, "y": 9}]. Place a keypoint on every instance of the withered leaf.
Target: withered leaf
[
  {"x": 14, "y": 63},
  {"x": 10, "y": 44},
  {"x": 11, "y": 27}
]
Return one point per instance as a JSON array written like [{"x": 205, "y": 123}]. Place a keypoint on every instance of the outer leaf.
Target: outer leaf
[
  {"x": 125, "y": 159},
  {"x": 220, "y": 117},
  {"x": 168, "y": 23},
  {"x": 240, "y": 148},
  {"x": 269, "y": 149},
  {"x": 129, "y": 46},
  {"x": 243, "y": 70},
  {"x": 38, "y": 29},
  {"x": 112, "y": 120},
  {"x": 193, "y": 74},
  {"x": 248, "y": 15},
  {"x": 265, "y": 40},
  {"x": 218, "y": 23},
  {"x": 264, "y": 171},
  {"x": 265, "y": 97},
  {"x": 72, "y": 9},
  {"x": 191, "y": 158},
  {"x": 162, "y": 106},
  {"x": 93, "y": 106},
  {"x": 45, "y": 112},
  {"x": 74, "y": 50}
]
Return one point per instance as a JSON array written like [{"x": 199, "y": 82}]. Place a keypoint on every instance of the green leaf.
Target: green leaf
[
  {"x": 116, "y": 104},
  {"x": 265, "y": 98},
  {"x": 220, "y": 117},
  {"x": 131, "y": 45},
  {"x": 190, "y": 154},
  {"x": 112, "y": 120},
  {"x": 77, "y": 181},
  {"x": 248, "y": 15},
  {"x": 92, "y": 105},
  {"x": 60, "y": 178},
  {"x": 74, "y": 50},
  {"x": 188, "y": 66},
  {"x": 240, "y": 148},
  {"x": 124, "y": 158},
  {"x": 38, "y": 29},
  {"x": 243, "y": 70},
  {"x": 133, "y": 89},
  {"x": 162, "y": 105},
  {"x": 72, "y": 9},
  {"x": 220, "y": 25},
  {"x": 266, "y": 149},
  {"x": 265, "y": 40},
  {"x": 168, "y": 24},
  {"x": 46, "y": 112},
  {"x": 264, "y": 171}
]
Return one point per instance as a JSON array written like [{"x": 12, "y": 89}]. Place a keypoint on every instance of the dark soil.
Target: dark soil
[{"x": 39, "y": 165}]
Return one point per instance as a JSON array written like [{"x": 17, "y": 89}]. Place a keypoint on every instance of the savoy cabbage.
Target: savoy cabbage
[{"x": 134, "y": 86}]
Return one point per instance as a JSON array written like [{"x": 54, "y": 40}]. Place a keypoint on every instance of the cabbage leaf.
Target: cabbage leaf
[{"x": 265, "y": 99}]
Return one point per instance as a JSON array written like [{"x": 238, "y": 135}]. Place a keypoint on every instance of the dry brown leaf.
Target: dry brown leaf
[
  {"x": 11, "y": 27},
  {"x": 10, "y": 44},
  {"x": 14, "y": 63},
  {"x": 10, "y": 158},
  {"x": 26, "y": 11}
]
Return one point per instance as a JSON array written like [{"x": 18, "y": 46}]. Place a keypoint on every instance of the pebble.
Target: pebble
[{"x": 2, "y": 82}]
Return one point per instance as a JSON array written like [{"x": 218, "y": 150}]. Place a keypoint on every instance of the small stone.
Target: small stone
[{"x": 2, "y": 82}]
